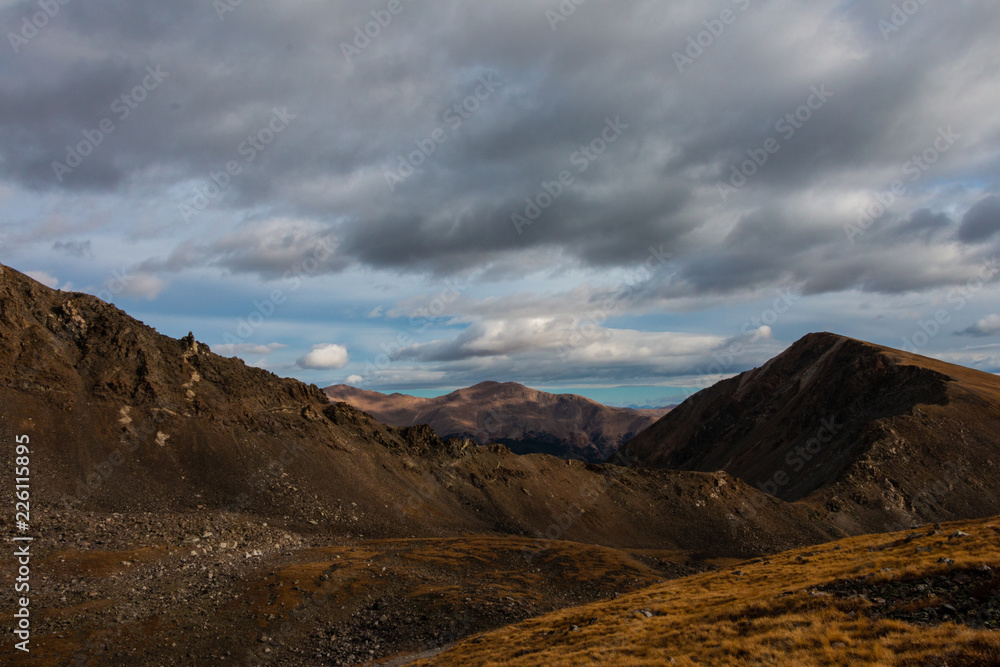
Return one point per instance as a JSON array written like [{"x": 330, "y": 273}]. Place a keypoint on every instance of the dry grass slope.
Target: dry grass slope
[{"x": 764, "y": 612}]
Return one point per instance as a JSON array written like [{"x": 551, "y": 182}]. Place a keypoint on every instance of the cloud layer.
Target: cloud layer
[{"x": 704, "y": 156}]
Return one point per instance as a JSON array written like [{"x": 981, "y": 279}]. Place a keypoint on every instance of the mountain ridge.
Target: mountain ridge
[
  {"x": 129, "y": 420},
  {"x": 523, "y": 419},
  {"x": 861, "y": 429}
]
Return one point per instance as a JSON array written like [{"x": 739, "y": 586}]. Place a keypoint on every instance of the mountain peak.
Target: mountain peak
[
  {"x": 833, "y": 413},
  {"x": 525, "y": 420}
]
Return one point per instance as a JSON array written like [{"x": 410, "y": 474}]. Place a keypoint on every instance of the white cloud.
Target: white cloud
[
  {"x": 988, "y": 326},
  {"x": 354, "y": 380},
  {"x": 984, "y": 357},
  {"x": 542, "y": 350},
  {"x": 324, "y": 357},
  {"x": 43, "y": 277}
]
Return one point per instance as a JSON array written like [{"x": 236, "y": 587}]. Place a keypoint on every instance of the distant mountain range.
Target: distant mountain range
[{"x": 525, "y": 420}]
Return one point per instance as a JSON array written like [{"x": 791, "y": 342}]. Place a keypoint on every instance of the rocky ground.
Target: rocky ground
[
  {"x": 967, "y": 596},
  {"x": 110, "y": 589}
]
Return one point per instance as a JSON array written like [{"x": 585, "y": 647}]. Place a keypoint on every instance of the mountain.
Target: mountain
[
  {"x": 633, "y": 406},
  {"x": 126, "y": 419},
  {"x": 184, "y": 499},
  {"x": 181, "y": 498},
  {"x": 525, "y": 420},
  {"x": 875, "y": 436}
]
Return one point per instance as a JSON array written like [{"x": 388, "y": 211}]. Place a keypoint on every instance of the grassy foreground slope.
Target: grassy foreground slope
[{"x": 922, "y": 597}]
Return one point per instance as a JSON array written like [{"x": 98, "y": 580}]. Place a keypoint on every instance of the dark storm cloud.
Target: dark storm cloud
[
  {"x": 357, "y": 117},
  {"x": 925, "y": 224},
  {"x": 74, "y": 248},
  {"x": 982, "y": 221},
  {"x": 274, "y": 249}
]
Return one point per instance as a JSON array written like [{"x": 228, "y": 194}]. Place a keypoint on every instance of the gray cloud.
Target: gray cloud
[
  {"x": 271, "y": 249},
  {"x": 988, "y": 326},
  {"x": 323, "y": 179},
  {"x": 982, "y": 221},
  {"x": 74, "y": 248}
]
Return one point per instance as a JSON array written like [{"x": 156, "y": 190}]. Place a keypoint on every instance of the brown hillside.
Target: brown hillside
[
  {"x": 187, "y": 505},
  {"x": 876, "y": 436}
]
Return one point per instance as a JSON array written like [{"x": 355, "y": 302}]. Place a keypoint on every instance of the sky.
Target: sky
[{"x": 630, "y": 200}]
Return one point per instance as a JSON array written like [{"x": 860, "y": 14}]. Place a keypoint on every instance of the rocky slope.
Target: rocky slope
[
  {"x": 222, "y": 588},
  {"x": 525, "y": 420},
  {"x": 875, "y": 436}
]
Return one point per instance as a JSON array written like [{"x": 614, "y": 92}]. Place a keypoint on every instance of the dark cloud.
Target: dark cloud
[
  {"x": 924, "y": 224},
  {"x": 551, "y": 96},
  {"x": 982, "y": 221},
  {"x": 277, "y": 249},
  {"x": 74, "y": 248}
]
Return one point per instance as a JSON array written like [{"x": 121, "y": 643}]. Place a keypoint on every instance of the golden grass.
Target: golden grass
[{"x": 762, "y": 612}]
